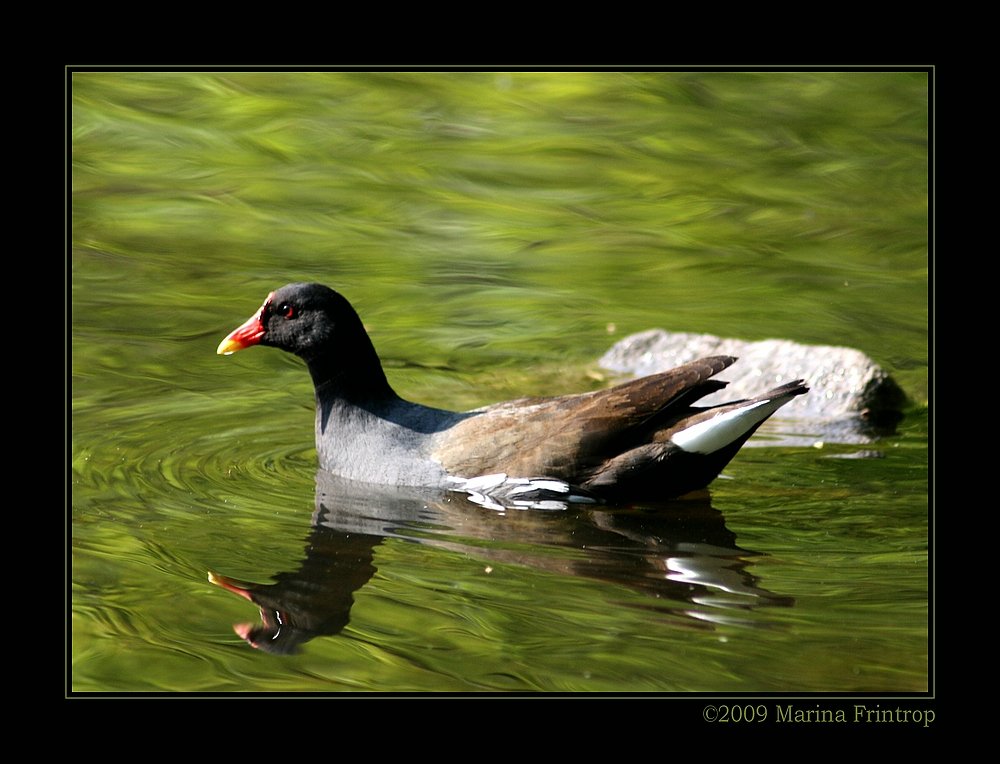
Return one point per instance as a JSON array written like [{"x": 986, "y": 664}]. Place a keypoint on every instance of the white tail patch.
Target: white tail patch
[{"x": 712, "y": 434}]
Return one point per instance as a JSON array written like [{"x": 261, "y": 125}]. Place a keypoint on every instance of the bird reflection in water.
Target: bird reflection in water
[{"x": 678, "y": 553}]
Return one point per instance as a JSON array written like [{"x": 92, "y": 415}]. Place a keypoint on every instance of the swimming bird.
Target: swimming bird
[{"x": 644, "y": 439}]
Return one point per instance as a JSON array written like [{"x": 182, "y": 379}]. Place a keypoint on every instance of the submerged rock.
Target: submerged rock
[{"x": 851, "y": 398}]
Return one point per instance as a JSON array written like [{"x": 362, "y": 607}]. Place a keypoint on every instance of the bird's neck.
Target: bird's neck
[{"x": 353, "y": 374}]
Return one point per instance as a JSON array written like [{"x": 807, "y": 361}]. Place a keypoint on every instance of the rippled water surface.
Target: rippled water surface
[{"x": 497, "y": 233}]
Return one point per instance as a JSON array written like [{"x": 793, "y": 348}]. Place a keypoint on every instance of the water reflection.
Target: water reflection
[{"x": 678, "y": 553}]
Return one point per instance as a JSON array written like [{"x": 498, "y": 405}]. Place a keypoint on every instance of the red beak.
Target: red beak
[
  {"x": 240, "y": 588},
  {"x": 244, "y": 336}
]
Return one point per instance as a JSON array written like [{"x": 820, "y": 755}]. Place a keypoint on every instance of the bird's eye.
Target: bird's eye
[{"x": 287, "y": 310}]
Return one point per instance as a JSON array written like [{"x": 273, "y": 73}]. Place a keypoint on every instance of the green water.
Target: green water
[{"x": 497, "y": 233}]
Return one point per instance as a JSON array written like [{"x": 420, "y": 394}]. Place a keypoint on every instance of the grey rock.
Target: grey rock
[{"x": 851, "y": 398}]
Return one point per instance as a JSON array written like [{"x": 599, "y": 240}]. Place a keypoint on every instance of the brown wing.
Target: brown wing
[{"x": 568, "y": 436}]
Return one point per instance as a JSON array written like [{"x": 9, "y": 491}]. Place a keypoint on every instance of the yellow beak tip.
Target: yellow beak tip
[{"x": 227, "y": 347}]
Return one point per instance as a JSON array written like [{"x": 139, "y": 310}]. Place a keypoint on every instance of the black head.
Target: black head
[
  {"x": 305, "y": 319},
  {"x": 315, "y": 323}
]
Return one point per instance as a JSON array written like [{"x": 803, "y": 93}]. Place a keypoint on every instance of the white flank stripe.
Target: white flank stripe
[
  {"x": 719, "y": 431},
  {"x": 541, "y": 484},
  {"x": 481, "y": 483}
]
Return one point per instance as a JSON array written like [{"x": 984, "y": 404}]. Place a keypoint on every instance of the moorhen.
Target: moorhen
[{"x": 643, "y": 439}]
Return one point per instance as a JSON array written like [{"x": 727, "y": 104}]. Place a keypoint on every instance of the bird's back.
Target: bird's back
[{"x": 570, "y": 437}]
